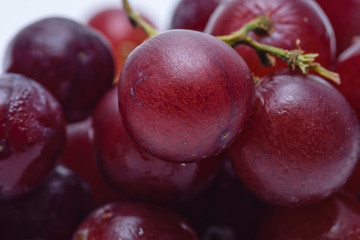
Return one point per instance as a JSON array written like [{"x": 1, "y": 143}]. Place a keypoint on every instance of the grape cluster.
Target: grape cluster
[{"x": 222, "y": 127}]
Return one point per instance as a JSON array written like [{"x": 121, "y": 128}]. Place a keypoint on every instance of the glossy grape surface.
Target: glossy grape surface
[
  {"x": 194, "y": 15},
  {"x": 134, "y": 221},
  {"x": 32, "y": 135},
  {"x": 290, "y": 21},
  {"x": 52, "y": 212},
  {"x": 115, "y": 25},
  {"x": 184, "y": 95},
  {"x": 138, "y": 174},
  {"x": 79, "y": 156},
  {"x": 72, "y": 61},
  {"x": 336, "y": 218},
  {"x": 300, "y": 144}
]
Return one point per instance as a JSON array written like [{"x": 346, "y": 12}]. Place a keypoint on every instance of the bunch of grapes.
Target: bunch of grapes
[{"x": 239, "y": 122}]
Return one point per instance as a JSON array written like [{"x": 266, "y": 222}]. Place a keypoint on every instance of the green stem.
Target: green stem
[
  {"x": 294, "y": 58},
  {"x": 138, "y": 20},
  {"x": 260, "y": 23}
]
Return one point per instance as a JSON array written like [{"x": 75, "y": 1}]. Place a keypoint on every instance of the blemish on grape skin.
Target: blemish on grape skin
[
  {"x": 224, "y": 136},
  {"x": 140, "y": 80},
  {"x": 107, "y": 215},
  {"x": 132, "y": 93}
]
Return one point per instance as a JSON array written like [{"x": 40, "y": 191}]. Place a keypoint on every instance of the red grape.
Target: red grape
[
  {"x": 290, "y": 20},
  {"x": 138, "y": 174},
  {"x": 71, "y": 60},
  {"x": 336, "y": 218},
  {"x": 115, "y": 25},
  {"x": 190, "y": 14},
  {"x": 32, "y": 130},
  {"x": 301, "y": 142},
  {"x": 348, "y": 66},
  {"x": 52, "y": 212},
  {"x": 344, "y": 17},
  {"x": 79, "y": 153},
  {"x": 184, "y": 95},
  {"x": 134, "y": 221}
]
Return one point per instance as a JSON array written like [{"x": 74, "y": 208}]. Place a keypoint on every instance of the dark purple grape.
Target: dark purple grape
[
  {"x": 134, "y": 221},
  {"x": 71, "y": 60},
  {"x": 52, "y": 212},
  {"x": 138, "y": 174},
  {"x": 301, "y": 143},
  {"x": 32, "y": 135}
]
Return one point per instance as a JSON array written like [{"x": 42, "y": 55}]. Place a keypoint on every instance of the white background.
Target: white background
[{"x": 16, "y": 14}]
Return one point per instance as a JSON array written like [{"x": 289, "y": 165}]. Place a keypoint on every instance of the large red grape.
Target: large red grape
[
  {"x": 185, "y": 95},
  {"x": 32, "y": 135},
  {"x": 71, "y": 60},
  {"x": 301, "y": 142},
  {"x": 290, "y": 20},
  {"x": 138, "y": 174},
  {"x": 134, "y": 221}
]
